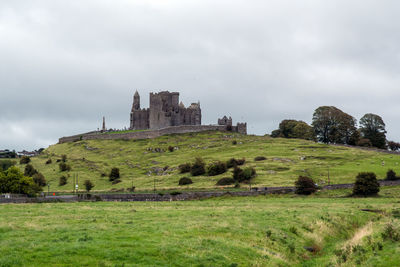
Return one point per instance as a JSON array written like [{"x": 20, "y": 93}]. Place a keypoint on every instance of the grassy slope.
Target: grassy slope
[
  {"x": 256, "y": 231},
  {"x": 283, "y": 165}
]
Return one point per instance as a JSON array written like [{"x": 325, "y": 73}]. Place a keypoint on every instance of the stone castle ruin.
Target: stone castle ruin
[
  {"x": 165, "y": 115},
  {"x": 164, "y": 111}
]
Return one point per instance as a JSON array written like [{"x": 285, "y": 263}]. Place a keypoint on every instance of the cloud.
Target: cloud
[{"x": 65, "y": 64}]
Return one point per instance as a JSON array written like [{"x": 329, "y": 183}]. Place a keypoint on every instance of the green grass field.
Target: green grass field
[
  {"x": 286, "y": 160},
  {"x": 227, "y": 231}
]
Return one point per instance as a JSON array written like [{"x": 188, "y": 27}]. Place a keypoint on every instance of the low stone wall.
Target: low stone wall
[
  {"x": 255, "y": 191},
  {"x": 145, "y": 134}
]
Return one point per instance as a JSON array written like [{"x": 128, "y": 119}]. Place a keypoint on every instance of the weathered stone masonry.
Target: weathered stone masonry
[
  {"x": 164, "y": 116},
  {"x": 164, "y": 111}
]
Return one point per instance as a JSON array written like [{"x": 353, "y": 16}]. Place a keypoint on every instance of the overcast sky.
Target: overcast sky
[{"x": 65, "y": 64}]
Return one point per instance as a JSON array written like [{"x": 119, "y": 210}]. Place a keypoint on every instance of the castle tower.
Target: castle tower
[
  {"x": 104, "y": 124},
  {"x": 136, "y": 101}
]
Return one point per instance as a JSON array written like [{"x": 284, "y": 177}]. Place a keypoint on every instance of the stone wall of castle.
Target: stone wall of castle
[
  {"x": 164, "y": 111},
  {"x": 145, "y": 134}
]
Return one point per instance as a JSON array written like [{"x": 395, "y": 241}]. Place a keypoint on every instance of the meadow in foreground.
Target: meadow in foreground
[{"x": 322, "y": 230}]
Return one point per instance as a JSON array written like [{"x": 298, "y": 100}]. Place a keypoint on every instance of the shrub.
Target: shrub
[
  {"x": 184, "y": 168},
  {"x": 24, "y": 160},
  {"x": 226, "y": 181},
  {"x": 29, "y": 170},
  {"x": 391, "y": 175},
  {"x": 260, "y": 158},
  {"x": 131, "y": 189},
  {"x": 185, "y": 181},
  {"x": 216, "y": 168},
  {"x": 248, "y": 173},
  {"x": 114, "y": 174},
  {"x": 64, "y": 167},
  {"x": 365, "y": 142},
  {"x": 305, "y": 186},
  {"x": 240, "y": 175},
  {"x": 116, "y": 181},
  {"x": 235, "y": 162},
  {"x": 234, "y": 142},
  {"x": 49, "y": 161},
  {"x": 198, "y": 167},
  {"x": 88, "y": 185},
  {"x": 171, "y": 149},
  {"x": 64, "y": 158},
  {"x": 5, "y": 164},
  {"x": 391, "y": 233},
  {"x": 366, "y": 184},
  {"x": 231, "y": 163},
  {"x": 240, "y": 162},
  {"x": 62, "y": 181},
  {"x": 13, "y": 181},
  {"x": 39, "y": 179}
]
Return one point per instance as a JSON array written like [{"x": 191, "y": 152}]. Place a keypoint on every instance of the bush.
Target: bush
[
  {"x": 114, "y": 174},
  {"x": 24, "y": 160},
  {"x": 366, "y": 184},
  {"x": 391, "y": 175},
  {"x": 13, "y": 181},
  {"x": 198, "y": 167},
  {"x": 62, "y": 181},
  {"x": 185, "y": 181},
  {"x": 184, "y": 168},
  {"x": 64, "y": 167},
  {"x": 365, "y": 142},
  {"x": 131, "y": 189},
  {"x": 216, "y": 168},
  {"x": 231, "y": 163},
  {"x": 305, "y": 186},
  {"x": 240, "y": 175},
  {"x": 391, "y": 233},
  {"x": 260, "y": 158},
  {"x": 29, "y": 170},
  {"x": 248, "y": 173},
  {"x": 234, "y": 142},
  {"x": 226, "y": 181},
  {"x": 88, "y": 185},
  {"x": 240, "y": 162},
  {"x": 235, "y": 162},
  {"x": 171, "y": 149},
  {"x": 39, "y": 179},
  {"x": 64, "y": 158},
  {"x": 116, "y": 181},
  {"x": 5, "y": 164},
  {"x": 49, "y": 161}
]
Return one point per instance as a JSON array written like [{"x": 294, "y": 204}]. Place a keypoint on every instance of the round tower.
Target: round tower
[{"x": 136, "y": 101}]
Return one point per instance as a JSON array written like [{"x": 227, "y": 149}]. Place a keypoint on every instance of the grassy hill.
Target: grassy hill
[
  {"x": 138, "y": 161},
  {"x": 227, "y": 231}
]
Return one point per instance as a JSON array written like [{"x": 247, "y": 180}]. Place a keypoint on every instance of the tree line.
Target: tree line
[{"x": 331, "y": 125}]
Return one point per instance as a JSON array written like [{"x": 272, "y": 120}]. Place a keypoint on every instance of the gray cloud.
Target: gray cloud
[{"x": 65, "y": 64}]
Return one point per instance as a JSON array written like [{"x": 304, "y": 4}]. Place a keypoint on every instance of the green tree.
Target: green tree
[
  {"x": 114, "y": 174},
  {"x": 331, "y": 125},
  {"x": 13, "y": 181},
  {"x": 29, "y": 170},
  {"x": 294, "y": 129},
  {"x": 88, "y": 185},
  {"x": 372, "y": 127}
]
